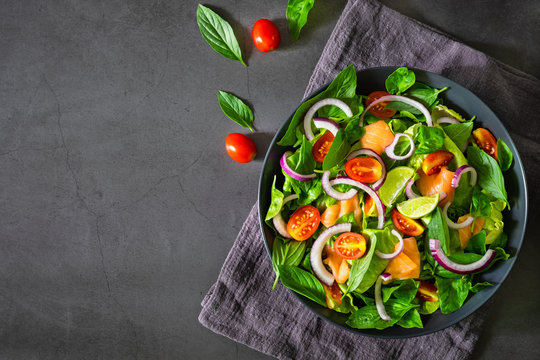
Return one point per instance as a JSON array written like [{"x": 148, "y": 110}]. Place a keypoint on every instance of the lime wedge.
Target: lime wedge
[
  {"x": 395, "y": 183},
  {"x": 418, "y": 207}
]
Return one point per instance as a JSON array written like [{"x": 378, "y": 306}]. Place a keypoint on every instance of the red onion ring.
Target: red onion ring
[
  {"x": 395, "y": 253},
  {"x": 377, "y": 184},
  {"x": 452, "y": 224},
  {"x": 291, "y": 172},
  {"x": 409, "y": 191},
  {"x": 389, "y": 150},
  {"x": 386, "y": 278},
  {"x": 319, "y": 104},
  {"x": 439, "y": 255},
  {"x": 462, "y": 170},
  {"x": 378, "y": 203},
  {"x": 324, "y": 123},
  {"x": 330, "y": 191},
  {"x": 278, "y": 221},
  {"x": 378, "y": 300},
  {"x": 315, "y": 257},
  {"x": 403, "y": 99},
  {"x": 447, "y": 120}
]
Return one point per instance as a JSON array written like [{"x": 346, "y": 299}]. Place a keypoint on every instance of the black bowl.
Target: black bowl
[{"x": 466, "y": 103}]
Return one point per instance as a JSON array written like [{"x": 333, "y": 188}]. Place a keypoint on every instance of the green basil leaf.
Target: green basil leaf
[
  {"x": 429, "y": 139},
  {"x": 338, "y": 151},
  {"x": 504, "y": 154},
  {"x": 480, "y": 204},
  {"x": 218, "y": 34},
  {"x": 236, "y": 109},
  {"x": 480, "y": 286},
  {"x": 477, "y": 243},
  {"x": 286, "y": 253},
  {"x": 424, "y": 93},
  {"x": 400, "y": 80},
  {"x": 437, "y": 229},
  {"x": 367, "y": 317},
  {"x": 303, "y": 283},
  {"x": 276, "y": 202},
  {"x": 452, "y": 292},
  {"x": 302, "y": 160},
  {"x": 490, "y": 177},
  {"x": 411, "y": 319},
  {"x": 297, "y": 14},
  {"x": 459, "y": 133},
  {"x": 428, "y": 307}
]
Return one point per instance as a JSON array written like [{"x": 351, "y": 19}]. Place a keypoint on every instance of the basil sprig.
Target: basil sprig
[
  {"x": 297, "y": 14},
  {"x": 236, "y": 109},
  {"x": 218, "y": 34}
]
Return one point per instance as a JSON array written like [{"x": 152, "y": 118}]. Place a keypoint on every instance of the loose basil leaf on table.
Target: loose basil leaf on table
[
  {"x": 218, "y": 33},
  {"x": 236, "y": 109},
  {"x": 504, "y": 154},
  {"x": 302, "y": 282},
  {"x": 297, "y": 14}
]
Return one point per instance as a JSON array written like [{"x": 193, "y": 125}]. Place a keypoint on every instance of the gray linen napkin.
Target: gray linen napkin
[{"x": 241, "y": 304}]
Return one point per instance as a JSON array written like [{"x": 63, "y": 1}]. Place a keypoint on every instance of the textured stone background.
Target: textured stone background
[{"x": 118, "y": 202}]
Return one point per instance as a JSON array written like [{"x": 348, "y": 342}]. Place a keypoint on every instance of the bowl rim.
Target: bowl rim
[{"x": 415, "y": 331}]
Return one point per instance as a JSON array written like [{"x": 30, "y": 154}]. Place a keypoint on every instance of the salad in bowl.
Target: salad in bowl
[{"x": 389, "y": 205}]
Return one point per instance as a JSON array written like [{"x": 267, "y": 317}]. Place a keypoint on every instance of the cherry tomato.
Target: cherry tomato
[
  {"x": 240, "y": 148},
  {"x": 485, "y": 141},
  {"x": 427, "y": 292},
  {"x": 408, "y": 226},
  {"x": 350, "y": 245},
  {"x": 379, "y": 110},
  {"x": 363, "y": 169},
  {"x": 333, "y": 294},
  {"x": 304, "y": 222},
  {"x": 265, "y": 35},
  {"x": 435, "y": 161},
  {"x": 321, "y": 147}
]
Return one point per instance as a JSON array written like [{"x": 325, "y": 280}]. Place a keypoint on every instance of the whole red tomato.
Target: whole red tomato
[
  {"x": 265, "y": 35},
  {"x": 240, "y": 147}
]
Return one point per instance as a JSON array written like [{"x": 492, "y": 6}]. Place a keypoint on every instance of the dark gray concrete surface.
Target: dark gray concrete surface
[{"x": 118, "y": 202}]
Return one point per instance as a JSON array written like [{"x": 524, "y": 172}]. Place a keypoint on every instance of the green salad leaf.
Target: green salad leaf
[
  {"x": 218, "y": 34},
  {"x": 400, "y": 80},
  {"x": 429, "y": 139},
  {"x": 490, "y": 177},
  {"x": 452, "y": 292},
  {"x": 338, "y": 151},
  {"x": 424, "y": 93},
  {"x": 284, "y": 252},
  {"x": 276, "y": 202},
  {"x": 459, "y": 133},
  {"x": 367, "y": 317},
  {"x": 504, "y": 155},
  {"x": 302, "y": 282},
  {"x": 297, "y": 14}
]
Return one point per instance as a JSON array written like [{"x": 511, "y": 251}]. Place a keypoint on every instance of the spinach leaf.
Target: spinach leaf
[
  {"x": 411, "y": 319},
  {"x": 338, "y": 151},
  {"x": 490, "y": 177},
  {"x": 429, "y": 139},
  {"x": 367, "y": 317},
  {"x": 480, "y": 286},
  {"x": 404, "y": 290},
  {"x": 504, "y": 154},
  {"x": 297, "y": 14},
  {"x": 424, "y": 93},
  {"x": 276, "y": 202},
  {"x": 218, "y": 34},
  {"x": 342, "y": 87},
  {"x": 303, "y": 283},
  {"x": 286, "y": 253},
  {"x": 400, "y": 80},
  {"x": 477, "y": 243},
  {"x": 480, "y": 204},
  {"x": 452, "y": 292},
  {"x": 353, "y": 132},
  {"x": 428, "y": 307},
  {"x": 459, "y": 133},
  {"x": 236, "y": 109}
]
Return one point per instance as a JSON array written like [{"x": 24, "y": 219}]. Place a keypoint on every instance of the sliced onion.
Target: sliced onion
[
  {"x": 319, "y": 104},
  {"x": 386, "y": 278},
  {"x": 442, "y": 196},
  {"x": 278, "y": 221},
  {"x": 462, "y": 170},
  {"x": 378, "y": 203},
  {"x": 378, "y": 300},
  {"x": 447, "y": 120},
  {"x": 324, "y": 123},
  {"x": 377, "y": 184},
  {"x": 409, "y": 191},
  {"x": 439, "y": 255},
  {"x": 452, "y": 224},
  {"x": 291, "y": 172},
  {"x": 389, "y": 150},
  {"x": 330, "y": 191},
  {"x": 403, "y": 99},
  {"x": 395, "y": 253},
  {"x": 315, "y": 257}
]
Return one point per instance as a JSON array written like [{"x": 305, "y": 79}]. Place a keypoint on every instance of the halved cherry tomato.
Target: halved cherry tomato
[
  {"x": 304, "y": 222},
  {"x": 485, "y": 141},
  {"x": 435, "y": 161},
  {"x": 369, "y": 206},
  {"x": 427, "y": 292},
  {"x": 240, "y": 147},
  {"x": 379, "y": 110},
  {"x": 265, "y": 35},
  {"x": 350, "y": 245},
  {"x": 321, "y": 147},
  {"x": 333, "y": 295},
  {"x": 363, "y": 169},
  {"x": 408, "y": 226}
]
